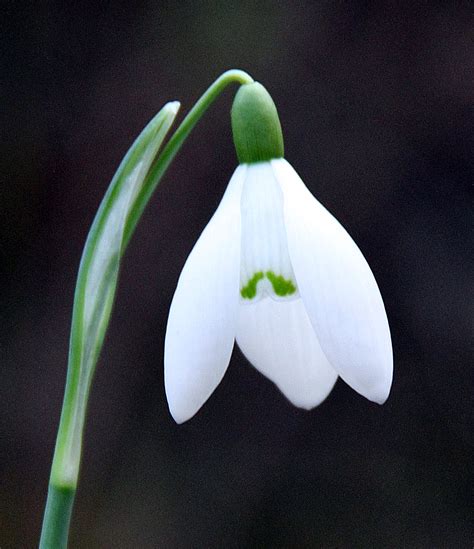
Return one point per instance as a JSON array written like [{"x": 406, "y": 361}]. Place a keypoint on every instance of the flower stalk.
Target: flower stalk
[{"x": 119, "y": 213}]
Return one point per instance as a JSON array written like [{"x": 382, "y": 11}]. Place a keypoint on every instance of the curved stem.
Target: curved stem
[
  {"x": 65, "y": 467},
  {"x": 176, "y": 141}
]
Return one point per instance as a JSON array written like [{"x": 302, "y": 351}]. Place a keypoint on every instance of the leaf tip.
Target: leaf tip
[{"x": 172, "y": 107}]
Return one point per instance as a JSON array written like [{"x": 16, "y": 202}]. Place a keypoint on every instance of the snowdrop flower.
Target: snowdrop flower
[{"x": 276, "y": 272}]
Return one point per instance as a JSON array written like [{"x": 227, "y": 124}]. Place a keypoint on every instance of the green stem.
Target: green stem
[
  {"x": 58, "y": 510},
  {"x": 174, "y": 144},
  {"x": 65, "y": 467}
]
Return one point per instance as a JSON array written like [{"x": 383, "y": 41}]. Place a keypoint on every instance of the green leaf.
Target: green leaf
[{"x": 97, "y": 281}]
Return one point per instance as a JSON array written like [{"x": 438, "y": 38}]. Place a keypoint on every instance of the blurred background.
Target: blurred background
[{"x": 376, "y": 103}]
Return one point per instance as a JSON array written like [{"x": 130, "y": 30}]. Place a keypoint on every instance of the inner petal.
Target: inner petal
[
  {"x": 265, "y": 268},
  {"x": 279, "y": 341}
]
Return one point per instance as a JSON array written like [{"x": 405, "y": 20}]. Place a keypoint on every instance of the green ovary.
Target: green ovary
[{"x": 281, "y": 286}]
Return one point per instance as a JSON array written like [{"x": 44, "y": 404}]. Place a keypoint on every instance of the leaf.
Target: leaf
[{"x": 98, "y": 274}]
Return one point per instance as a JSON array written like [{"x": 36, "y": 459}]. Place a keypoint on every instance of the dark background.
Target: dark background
[{"x": 376, "y": 103}]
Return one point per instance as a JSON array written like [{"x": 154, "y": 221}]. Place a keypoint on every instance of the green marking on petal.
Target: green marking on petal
[
  {"x": 250, "y": 291},
  {"x": 281, "y": 286}
]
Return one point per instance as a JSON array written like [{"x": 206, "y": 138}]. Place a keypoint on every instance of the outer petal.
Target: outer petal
[
  {"x": 338, "y": 290},
  {"x": 278, "y": 339},
  {"x": 203, "y": 314}
]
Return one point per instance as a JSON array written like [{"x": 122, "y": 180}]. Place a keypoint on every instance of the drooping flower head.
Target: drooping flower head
[{"x": 276, "y": 272}]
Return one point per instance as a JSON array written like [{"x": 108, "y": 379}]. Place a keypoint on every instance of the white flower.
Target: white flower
[{"x": 275, "y": 271}]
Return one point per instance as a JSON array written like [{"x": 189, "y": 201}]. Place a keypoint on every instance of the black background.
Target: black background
[{"x": 376, "y": 103}]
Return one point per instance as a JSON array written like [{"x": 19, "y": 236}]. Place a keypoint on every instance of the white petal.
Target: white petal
[
  {"x": 278, "y": 339},
  {"x": 338, "y": 290},
  {"x": 203, "y": 314}
]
